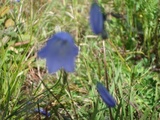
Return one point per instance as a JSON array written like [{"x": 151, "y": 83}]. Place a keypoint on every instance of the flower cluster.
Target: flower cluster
[
  {"x": 97, "y": 19},
  {"x": 60, "y": 51}
]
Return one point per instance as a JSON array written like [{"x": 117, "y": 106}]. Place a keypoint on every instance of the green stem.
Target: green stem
[
  {"x": 56, "y": 99},
  {"x": 65, "y": 79},
  {"x": 106, "y": 74}
]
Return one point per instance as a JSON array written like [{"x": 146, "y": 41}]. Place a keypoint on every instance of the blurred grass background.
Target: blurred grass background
[{"x": 132, "y": 57}]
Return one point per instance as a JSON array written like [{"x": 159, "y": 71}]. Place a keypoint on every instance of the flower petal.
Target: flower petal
[
  {"x": 53, "y": 65},
  {"x": 106, "y": 97},
  {"x": 69, "y": 65},
  {"x": 43, "y": 52}
]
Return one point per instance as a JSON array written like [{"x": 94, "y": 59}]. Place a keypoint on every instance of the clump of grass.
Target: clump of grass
[{"x": 131, "y": 52}]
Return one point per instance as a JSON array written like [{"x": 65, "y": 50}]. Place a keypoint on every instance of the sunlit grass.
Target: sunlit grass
[{"x": 130, "y": 61}]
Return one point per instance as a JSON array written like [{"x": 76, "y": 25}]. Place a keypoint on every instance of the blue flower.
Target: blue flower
[
  {"x": 15, "y": 0},
  {"x": 106, "y": 97},
  {"x": 42, "y": 111},
  {"x": 59, "y": 52},
  {"x": 96, "y": 19}
]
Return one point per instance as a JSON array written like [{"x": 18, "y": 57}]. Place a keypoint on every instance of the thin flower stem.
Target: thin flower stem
[
  {"x": 105, "y": 63},
  {"x": 74, "y": 109},
  {"x": 39, "y": 112},
  {"x": 106, "y": 73},
  {"x": 56, "y": 99}
]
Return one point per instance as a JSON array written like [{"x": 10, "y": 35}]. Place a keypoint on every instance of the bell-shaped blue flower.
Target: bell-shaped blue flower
[
  {"x": 96, "y": 19},
  {"x": 59, "y": 52},
  {"x": 106, "y": 97}
]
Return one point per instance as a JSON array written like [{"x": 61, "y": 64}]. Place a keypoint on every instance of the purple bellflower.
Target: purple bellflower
[
  {"x": 96, "y": 19},
  {"x": 59, "y": 52},
  {"x": 106, "y": 97}
]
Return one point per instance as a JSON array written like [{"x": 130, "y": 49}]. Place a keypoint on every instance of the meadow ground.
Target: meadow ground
[{"x": 127, "y": 63}]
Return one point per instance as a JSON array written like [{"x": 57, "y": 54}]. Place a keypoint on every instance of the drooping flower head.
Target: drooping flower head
[
  {"x": 96, "y": 19},
  {"x": 59, "y": 52},
  {"x": 106, "y": 97}
]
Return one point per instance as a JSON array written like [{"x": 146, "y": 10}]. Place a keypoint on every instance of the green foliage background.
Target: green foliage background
[{"x": 128, "y": 63}]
